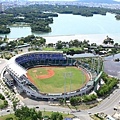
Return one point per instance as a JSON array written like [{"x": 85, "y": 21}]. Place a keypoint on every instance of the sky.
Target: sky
[
  {"x": 64, "y": 0},
  {"x": 52, "y": 0}
]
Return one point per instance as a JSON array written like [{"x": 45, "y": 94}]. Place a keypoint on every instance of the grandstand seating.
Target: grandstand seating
[{"x": 35, "y": 59}]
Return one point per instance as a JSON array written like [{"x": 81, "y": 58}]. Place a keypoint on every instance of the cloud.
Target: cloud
[{"x": 117, "y": 0}]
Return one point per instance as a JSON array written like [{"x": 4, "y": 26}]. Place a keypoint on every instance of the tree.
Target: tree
[
  {"x": 93, "y": 44},
  {"x": 56, "y": 116},
  {"x": 76, "y": 43},
  {"x": 5, "y": 103},
  {"x": 60, "y": 117},
  {"x": 61, "y": 101},
  {"x": 40, "y": 115},
  {"x": 59, "y": 45},
  {"x": 110, "y": 83},
  {"x": 26, "y": 113},
  {"x": 14, "y": 105},
  {"x": 74, "y": 101},
  {"x": 108, "y": 40},
  {"x": 114, "y": 51},
  {"x": 9, "y": 118},
  {"x": 116, "y": 44}
]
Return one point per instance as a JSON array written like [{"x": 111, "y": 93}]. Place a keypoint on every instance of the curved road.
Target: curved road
[{"x": 105, "y": 106}]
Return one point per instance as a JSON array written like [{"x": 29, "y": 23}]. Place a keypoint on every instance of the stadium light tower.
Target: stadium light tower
[
  {"x": 67, "y": 75},
  {"x": 70, "y": 76},
  {"x": 98, "y": 66}
]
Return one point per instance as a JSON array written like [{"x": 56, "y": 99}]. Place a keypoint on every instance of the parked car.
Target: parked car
[{"x": 8, "y": 110}]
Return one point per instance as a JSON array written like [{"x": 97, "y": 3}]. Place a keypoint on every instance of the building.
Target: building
[
  {"x": 1, "y": 7},
  {"x": 8, "y": 80}
]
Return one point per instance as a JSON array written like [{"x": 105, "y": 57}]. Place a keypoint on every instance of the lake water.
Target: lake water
[{"x": 68, "y": 24}]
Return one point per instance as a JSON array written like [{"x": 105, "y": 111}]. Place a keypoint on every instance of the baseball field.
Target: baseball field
[{"x": 57, "y": 79}]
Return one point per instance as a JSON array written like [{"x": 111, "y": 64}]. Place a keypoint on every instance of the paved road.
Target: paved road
[
  {"x": 111, "y": 67},
  {"x": 105, "y": 106},
  {"x": 108, "y": 104},
  {"x": 3, "y": 63}
]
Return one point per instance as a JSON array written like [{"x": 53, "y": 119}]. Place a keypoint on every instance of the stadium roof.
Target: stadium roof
[
  {"x": 18, "y": 69},
  {"x": 84, "y": 55},
  {"x": 15, "y": 67}
]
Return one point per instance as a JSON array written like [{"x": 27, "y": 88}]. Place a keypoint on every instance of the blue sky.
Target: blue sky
[
  {"x": 52, "y": 0},
  {"x": 117, "y": 0}
]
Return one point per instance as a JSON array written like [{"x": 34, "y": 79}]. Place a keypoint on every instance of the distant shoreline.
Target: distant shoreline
[{"x": 93, "y": 38}]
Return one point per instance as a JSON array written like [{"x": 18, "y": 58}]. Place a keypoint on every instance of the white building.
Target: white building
[{"x": 1, "y": 7}]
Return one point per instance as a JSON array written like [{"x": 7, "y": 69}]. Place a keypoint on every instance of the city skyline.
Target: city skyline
[{"x": 98, "y": 1}]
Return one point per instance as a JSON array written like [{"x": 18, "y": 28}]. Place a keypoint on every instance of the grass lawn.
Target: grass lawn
[
  {"x": 46, "y": 113},
  {"x": 7, "y": 116},
  {"x": 73, "y": 48},
  {"x": 49, "y": 49},
  {"x": 95, "y": 118},
  {"x": 58, "y": 82},
  {"x": 1, "y": 102},
  {"x": 43, "y": 113},
  {"x": 64, "y": 49}
]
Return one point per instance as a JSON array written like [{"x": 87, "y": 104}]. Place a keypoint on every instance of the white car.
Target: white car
[
  {"x": 115, "y": 108},
  {"x": 89, "y": 112}
]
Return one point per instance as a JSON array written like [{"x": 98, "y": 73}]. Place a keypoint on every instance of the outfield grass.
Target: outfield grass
[{"x": 58, "y": 82}]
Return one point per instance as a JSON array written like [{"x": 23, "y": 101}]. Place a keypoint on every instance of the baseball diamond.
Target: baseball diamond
[
  {"x": 48, "y": 75},
  {"x": 52, "y": 79}
]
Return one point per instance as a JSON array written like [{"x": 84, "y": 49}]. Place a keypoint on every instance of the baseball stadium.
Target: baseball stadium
[{"x": 49, "y": 75}]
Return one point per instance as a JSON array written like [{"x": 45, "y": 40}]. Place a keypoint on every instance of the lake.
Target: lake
[{"x": 70, "y": 25}]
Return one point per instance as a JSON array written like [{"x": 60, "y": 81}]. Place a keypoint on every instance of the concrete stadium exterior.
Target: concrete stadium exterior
[{"x": 17, "y": 66}]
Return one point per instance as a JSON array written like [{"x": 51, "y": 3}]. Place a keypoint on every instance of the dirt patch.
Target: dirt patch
[{"x": 49, "y": 74}]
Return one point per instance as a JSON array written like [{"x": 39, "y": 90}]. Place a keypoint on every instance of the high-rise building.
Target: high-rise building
[{"x": 1, "y": 7}]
